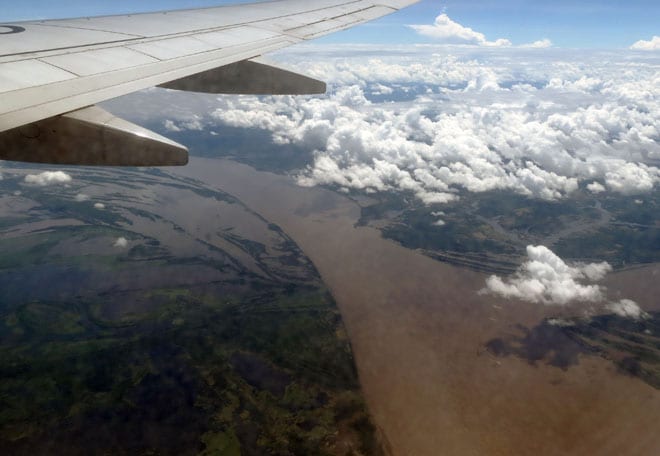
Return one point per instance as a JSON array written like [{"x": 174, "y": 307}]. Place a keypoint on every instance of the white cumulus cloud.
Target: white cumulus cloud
[
  {"x": 627, "y": 308},
  {"x": 651, "y": 45},
  {"x": 631, "y": 179},
  {"x": 539, "y": 44},
  {"x": 380, "y": 89},
  {"x": 435, "y": 123},
  {"x": 448, "y": 31},
  {"x": 595, "y": 187},
  {"x": 99, "y": 206},
  {"x": 80, "y": 197},
  {"x": 192, "y": 122},
  {"x": 121, "y": 243},
  {"x": 171, "y": 126},
  {"x": 48, "y": 178},
  {"x": 546, "y": 278},
  {"x": 561, "y": 322}
]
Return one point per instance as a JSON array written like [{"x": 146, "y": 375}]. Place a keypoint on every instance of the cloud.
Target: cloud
[
  {"x": 627, "y": 309},
  {"x": 545, "y": 278},
  {"x": 192, "y": 122},
  {"x": 80, "y": 197},
  {"x": 171, "y": 126},
  {"x": 540, "y": 44},
  {"x": 99, "y": 206},
  {"x": 595, "y": 187},
  {"x": 651, "y": 45},
  {"x": 474, "y": 120},
  {"x": 380, "y": 89},
  {"x": 48, "y": 178},
  {"x": 631, "y": 179},
  {"x": 447, "y": 31},
  {"x": 561, "y": 322},
  {"x": 121, "y": 243}
]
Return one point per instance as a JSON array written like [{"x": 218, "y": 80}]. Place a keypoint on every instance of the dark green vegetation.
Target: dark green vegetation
[
  {"x": 193, "y": 338},
  {"x": 490, "y": 231},
  {"x": 632, "y": 345},
  {"x": 261, "y": 374}
]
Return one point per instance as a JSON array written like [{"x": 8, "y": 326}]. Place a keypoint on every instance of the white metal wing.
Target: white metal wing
[{"x": 52, "y": 73}]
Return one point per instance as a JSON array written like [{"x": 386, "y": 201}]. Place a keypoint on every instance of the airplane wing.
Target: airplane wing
[{"x": 52, "y": 73}]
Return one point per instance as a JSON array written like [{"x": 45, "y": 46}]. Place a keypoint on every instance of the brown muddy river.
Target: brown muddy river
[{"x": 419, "y": 328}]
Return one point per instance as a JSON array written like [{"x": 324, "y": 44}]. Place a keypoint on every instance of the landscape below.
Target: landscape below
[
  {"x": 142, "y": 311},
  {"x": 147, "y": 314},
  {"x": 485, "y": 231}
]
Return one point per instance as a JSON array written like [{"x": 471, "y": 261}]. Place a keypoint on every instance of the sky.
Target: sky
[{"x": 612, "y": 24}]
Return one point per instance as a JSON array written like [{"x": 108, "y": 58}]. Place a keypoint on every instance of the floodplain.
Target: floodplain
[{"x": 422, "y": 338}]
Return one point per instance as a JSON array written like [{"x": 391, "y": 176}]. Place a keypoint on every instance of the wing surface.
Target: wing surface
[{"x": 53, "y": 67}]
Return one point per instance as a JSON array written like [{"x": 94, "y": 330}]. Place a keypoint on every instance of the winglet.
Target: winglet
[
  {"x": 249, "y": 77},
  {"x": 90, "y": 136}
]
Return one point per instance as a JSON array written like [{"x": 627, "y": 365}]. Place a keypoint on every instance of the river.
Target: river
[{"x": 418, "y": 329}]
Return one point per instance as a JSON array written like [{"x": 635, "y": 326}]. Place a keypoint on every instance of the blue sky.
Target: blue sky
[{"x": 567, "y": 23}]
